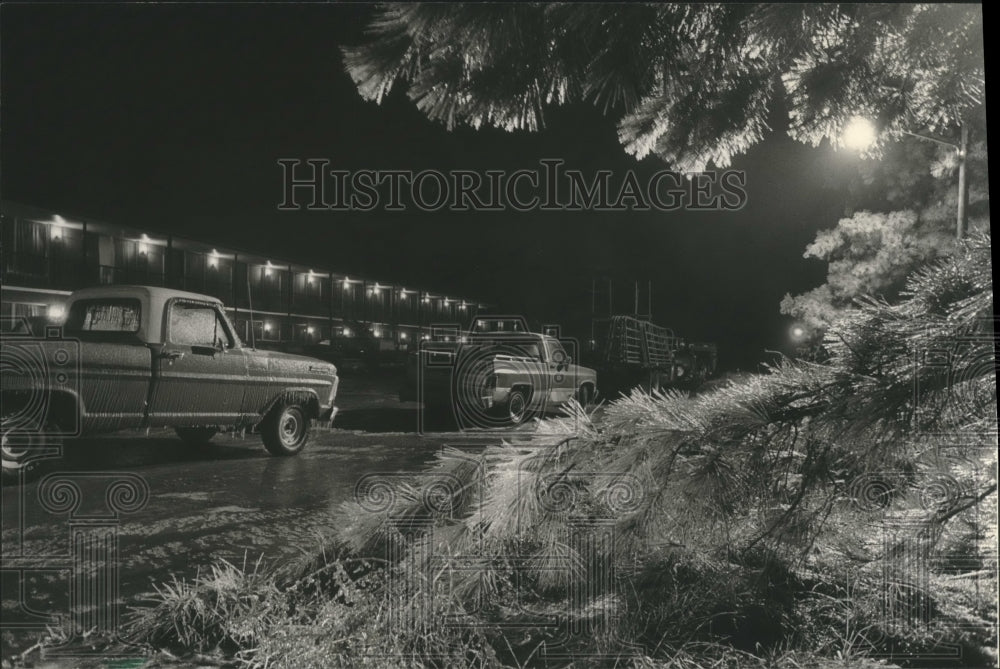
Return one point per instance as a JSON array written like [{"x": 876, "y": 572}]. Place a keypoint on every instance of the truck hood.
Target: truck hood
[{"x": 303, "y": 363}]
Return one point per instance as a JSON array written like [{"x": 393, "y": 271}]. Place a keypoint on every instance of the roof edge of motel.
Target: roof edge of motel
[
  {"x": 47, "y": 254},
  {"x": 71, "y": 219}
]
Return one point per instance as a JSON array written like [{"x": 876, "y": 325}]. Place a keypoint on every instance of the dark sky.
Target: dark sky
[{"x": 174, "y": 116}]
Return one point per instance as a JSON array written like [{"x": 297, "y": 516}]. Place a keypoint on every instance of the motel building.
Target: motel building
[{"x": 47, "y": 255}]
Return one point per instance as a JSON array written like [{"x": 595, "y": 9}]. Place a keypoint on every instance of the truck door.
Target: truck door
[{"x": 200, "y": 373}]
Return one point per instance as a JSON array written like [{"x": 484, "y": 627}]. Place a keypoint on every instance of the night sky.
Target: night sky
[{"x": 173, "y": 117}]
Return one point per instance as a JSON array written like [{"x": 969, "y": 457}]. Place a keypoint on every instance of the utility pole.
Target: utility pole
[
  {"x": 963, "y": 187},
  {"x": 962, "y": 151}
]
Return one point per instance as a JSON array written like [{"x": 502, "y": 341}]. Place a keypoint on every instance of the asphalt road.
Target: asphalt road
[{"x": 227, "y": 500}]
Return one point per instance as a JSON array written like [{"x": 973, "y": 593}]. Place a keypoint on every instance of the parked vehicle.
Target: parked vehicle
[
  {"x": 506, "y": 376},
  {"x": 138, "y": 357},
  {"x": 631, "y": 352}
]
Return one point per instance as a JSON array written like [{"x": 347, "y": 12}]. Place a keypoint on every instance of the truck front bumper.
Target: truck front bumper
[
  {"x": 494, "y": 398},
  {"x": 326, "y": 417}
]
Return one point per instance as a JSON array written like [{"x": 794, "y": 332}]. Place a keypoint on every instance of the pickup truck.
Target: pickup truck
[
  {"x": 141, "y": 357},
  {"x": 489, "y": 375}
]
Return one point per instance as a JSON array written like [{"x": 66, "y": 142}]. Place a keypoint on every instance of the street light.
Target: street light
[{"x": 860, "y": 134}]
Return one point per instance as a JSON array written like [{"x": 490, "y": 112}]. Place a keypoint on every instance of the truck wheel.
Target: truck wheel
[
  {"x": 195, "y": 436},
  {"x": 285, "y": 430},
  {"x": 19, "y": 453},
  {"x": 517, "y": 407},
  {"x": 585, "y": 396}
]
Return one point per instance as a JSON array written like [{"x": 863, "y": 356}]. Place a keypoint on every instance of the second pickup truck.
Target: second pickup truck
[{"x": 492, "y": 378}]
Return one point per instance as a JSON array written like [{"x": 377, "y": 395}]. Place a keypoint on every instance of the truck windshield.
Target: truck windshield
[
  {"x": 108, "y": 315},
  {"x": 556, "y": 351}
]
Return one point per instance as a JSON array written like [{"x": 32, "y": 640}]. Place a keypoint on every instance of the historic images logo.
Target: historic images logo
[{"x": 312, "y": 185}]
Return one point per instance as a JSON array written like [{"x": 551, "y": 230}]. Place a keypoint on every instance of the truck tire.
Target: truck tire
[
  {"x": 18, "y": 450},
  {"x": 195, "y": 436},
  {"x": 517, "y": 407},
  {"x": 285, "y": 430}
]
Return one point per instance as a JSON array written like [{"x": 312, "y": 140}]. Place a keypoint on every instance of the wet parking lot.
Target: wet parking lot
[{"x": 227, "y": 500}]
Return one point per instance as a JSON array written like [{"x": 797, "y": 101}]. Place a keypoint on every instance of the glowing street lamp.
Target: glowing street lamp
[
  {"x": 798, "y": 333},
  {"x": 860, "y": 134}
]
